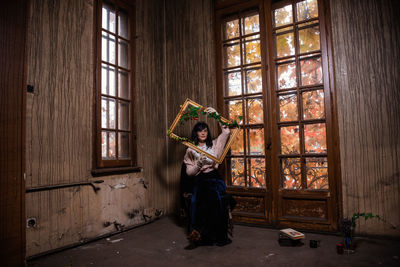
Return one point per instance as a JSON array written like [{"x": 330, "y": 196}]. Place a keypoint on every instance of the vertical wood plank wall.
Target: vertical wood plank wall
[
  {"x": 189, "y": 71},
  {"x": 59, "y": 128},
  {"x": 151, "y": 99},
  {"x": 366, "y": 44},
  {"x": 174, "y": 61}
]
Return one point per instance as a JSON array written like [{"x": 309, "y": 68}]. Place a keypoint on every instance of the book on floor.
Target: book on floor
[{"x": 293, "y": 234}]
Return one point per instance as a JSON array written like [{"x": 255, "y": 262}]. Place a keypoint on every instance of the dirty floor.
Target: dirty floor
[{"x": 162, "y": 243}]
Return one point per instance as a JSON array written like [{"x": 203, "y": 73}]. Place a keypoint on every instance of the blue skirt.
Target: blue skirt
[{"x": 209, "y": 208}]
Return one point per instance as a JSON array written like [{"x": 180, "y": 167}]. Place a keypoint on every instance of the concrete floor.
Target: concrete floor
[{"x": 162, "y": 243}]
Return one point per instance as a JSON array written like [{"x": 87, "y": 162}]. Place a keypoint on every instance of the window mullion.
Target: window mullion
[{"x": 116, "y": 83}]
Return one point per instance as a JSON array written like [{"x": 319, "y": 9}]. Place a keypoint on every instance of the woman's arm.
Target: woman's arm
[{"x": 222, "y": 138}]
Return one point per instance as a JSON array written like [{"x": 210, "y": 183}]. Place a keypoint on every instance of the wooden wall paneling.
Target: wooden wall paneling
[
  {"x": 366, "y": 41},
  {"x": 190, "y": 71},
  {"x": 150, "y": 99},
  {"x": 12, "y": 130},
  {"x": 61, "y": 71},
  {"x": 60, "y": 128}
]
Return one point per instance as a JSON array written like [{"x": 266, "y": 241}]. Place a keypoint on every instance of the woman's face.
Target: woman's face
[{"x": 202, "y": 135}]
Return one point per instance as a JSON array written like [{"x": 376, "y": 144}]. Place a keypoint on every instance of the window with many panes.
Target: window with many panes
[
  {"x": 243, "y": 97},
  {"x": 273, "y": 62},
  {"x": 114, "y": 77},
  {"x": 298, "y": 89},
  {"x": 299, "y": 93}
]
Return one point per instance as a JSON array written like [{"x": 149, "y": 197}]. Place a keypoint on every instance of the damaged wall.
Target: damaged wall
[
  {"x": 59, "y": 128},
  {"x": 366, "y": 41}
]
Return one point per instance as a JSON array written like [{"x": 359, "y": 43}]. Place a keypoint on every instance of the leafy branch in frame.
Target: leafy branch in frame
[{"x": 193, "y": 113}]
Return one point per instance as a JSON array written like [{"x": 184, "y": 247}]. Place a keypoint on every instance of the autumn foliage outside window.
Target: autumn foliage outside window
[
  {"x": 298, "y": 90},
  {"x": 243, "y": 97},
  {"x": 300, "y": 96}
]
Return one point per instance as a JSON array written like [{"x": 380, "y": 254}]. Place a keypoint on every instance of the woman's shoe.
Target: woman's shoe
[
  {"x": 194, "y": 236},
  {"x": 224, "y": 243}
]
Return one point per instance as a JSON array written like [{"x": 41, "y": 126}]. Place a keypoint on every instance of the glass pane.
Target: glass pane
[
  {"x": 123, "y": 24},
  {"x": 287, "y": 75},
  {"x": 313, "y": 105},
  {"x": 251, "y": 24},
  {"x": 233, "y": 82},
  {"x": 123, "y": 145},
  {"x": 317, "y": 173},
  {"x": 107, "y": 80},
  {"x": 107, "y": 47},
  {"x": 288, "y": 107},
  {"x": 107, "y": 113},
  {"x": 123, "y": 115},
  {"x": 235, "y": 110},
  {"x": 256, "y": 139},
  {"x": 257, "y": 172},
  {"x": 315, "y": 138},
  {"x": 123, "y": 84},
  {"x": 108, "y": 145},
  {"x": 123, "y": 54},
  {"x": 285, "y": 44},
  {"x": 283, "y": 15},
  {"x": 290, "y": 142},
  {"x": 231, "y": 29},
  {"x": 237, "y": 145},
  {"x": 311, "y": 71},
  {"x": 232, "y": 55},
  {"x": 291, "y": 173},
  {"x": 307, "y": 9},
  {"x": 252, "y": 52},
  {"x": 255, "y": 108},
  {"x": 108, "y": 18},
  {"x": 253, "y": 81},
  {"x": 309, "y": 39},
  {"x": 237, "y": 171}
]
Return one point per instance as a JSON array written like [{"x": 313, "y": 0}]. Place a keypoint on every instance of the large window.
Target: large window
[
  {"x": 273, "y": 62},
  {"x": 243, "y": 97},
  {"x": 114, "y": 77},
  {"x": 299, "y": 94}
]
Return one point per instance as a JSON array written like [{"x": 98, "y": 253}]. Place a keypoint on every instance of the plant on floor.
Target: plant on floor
[{"x": 347, "y": 226}]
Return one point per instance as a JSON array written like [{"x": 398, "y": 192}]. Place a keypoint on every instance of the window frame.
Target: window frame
[
  {"x": 100, "y": 165},
  {"x": 276, "y": 198},
  {"x": 298, "y": 91},
  {"x": 224, "y": 14}
]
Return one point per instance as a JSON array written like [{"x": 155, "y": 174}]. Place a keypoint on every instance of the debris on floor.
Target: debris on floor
[{"x": 115, "y": 240}]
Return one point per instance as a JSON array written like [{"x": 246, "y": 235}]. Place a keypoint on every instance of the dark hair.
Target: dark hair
[{"x": 200, "y": 126}]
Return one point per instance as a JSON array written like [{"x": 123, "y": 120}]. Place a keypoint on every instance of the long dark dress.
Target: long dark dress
[{"x": 209, "y": 212}]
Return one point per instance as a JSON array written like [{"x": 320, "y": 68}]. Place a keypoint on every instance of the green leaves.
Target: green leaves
[
  {"x": 193, "y": 113},
  {"x": 366, "y": 216}
]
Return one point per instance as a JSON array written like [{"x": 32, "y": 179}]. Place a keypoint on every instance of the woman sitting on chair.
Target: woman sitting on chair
[{"x": 210, "y": 204}]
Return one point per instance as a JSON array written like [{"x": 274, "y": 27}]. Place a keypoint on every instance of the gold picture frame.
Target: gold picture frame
[{"x": 234, "y": 133}]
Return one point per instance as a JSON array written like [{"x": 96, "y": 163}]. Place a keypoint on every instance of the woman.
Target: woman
[{"x": 209, "y": 204}]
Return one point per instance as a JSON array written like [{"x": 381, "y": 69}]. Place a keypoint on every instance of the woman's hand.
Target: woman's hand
[
  {"x": 223, "y": 126},
  {"x": 211, "y": 110},
  {"x": 201, "y": 161}
]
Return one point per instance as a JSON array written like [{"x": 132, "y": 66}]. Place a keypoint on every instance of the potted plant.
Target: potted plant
[{"x": 347, "y": 227}]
